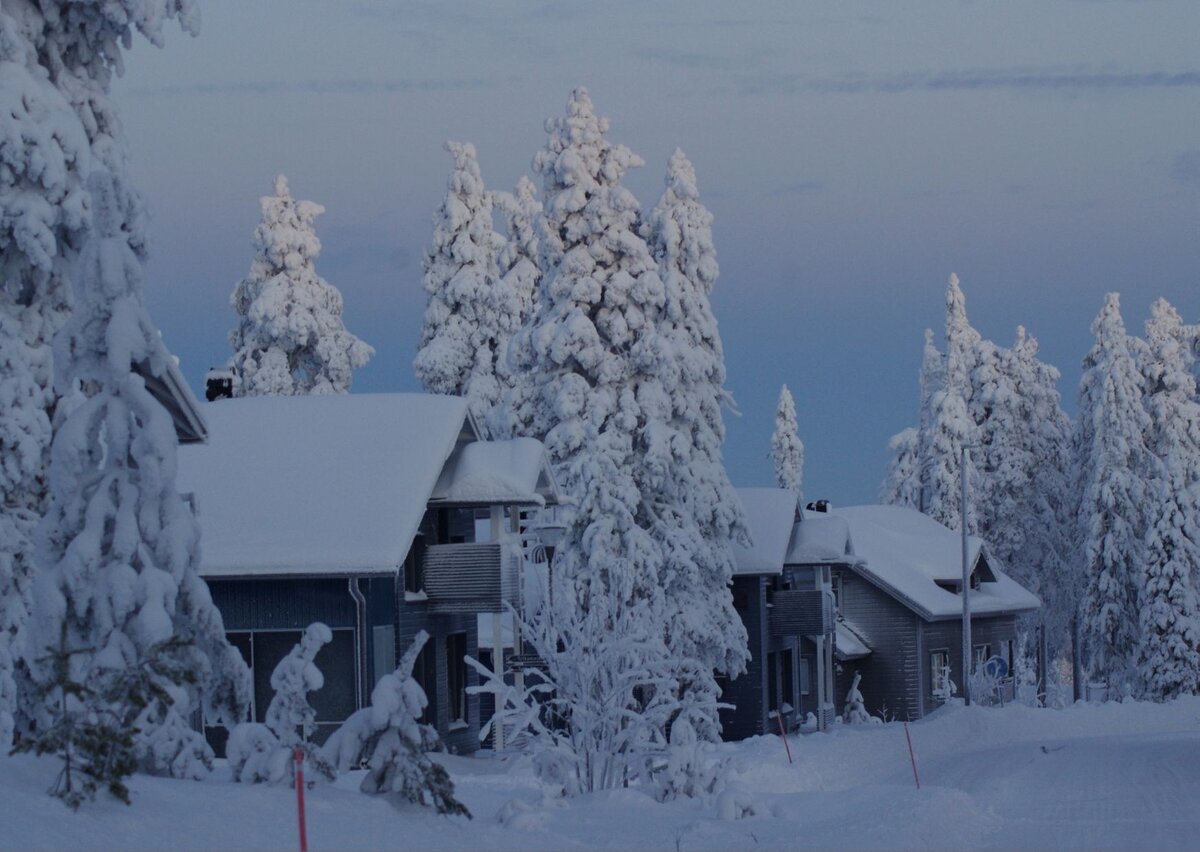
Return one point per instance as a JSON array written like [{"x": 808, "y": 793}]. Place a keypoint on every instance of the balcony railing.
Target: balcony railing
[
  {"x": 471, "y": 577},
  {"x": 801, "y": 612}
]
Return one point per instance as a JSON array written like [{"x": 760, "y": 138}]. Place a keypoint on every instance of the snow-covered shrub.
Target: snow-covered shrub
[
  {"x": 393, "y": 744},
  {"x": 856, "y": 709},
  {"x": 254, "y": 755},
  {"x": 692, "y": 767},
  {"x": 266, "y": 753}
]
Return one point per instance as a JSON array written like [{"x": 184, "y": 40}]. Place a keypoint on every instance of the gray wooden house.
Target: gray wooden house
[
  {"x": 896, "y": 581},
  {"x": 377, "y": 514},
  {"x": 787, "y": 610}
]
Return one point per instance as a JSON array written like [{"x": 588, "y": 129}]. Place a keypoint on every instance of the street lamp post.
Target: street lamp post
[{"x": 966, "y": 582}]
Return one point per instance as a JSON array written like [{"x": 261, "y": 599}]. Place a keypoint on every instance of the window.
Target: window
[
  {"x": 939, "y": 671},
  {"x": 787, "y": 680},
  {"x": 982, "y": 653},
  {"x": 414, "y": 563},
  {"x": 836, "y": 586},
  {"x": 805, "y": 675},
  {"x": 456, "y": 678},
  {"x": 781, "y": 681},
  {"x": 425, "y": 674},
  {"x": 383, "y": 646},
  {"x": 334, "y": 701}
]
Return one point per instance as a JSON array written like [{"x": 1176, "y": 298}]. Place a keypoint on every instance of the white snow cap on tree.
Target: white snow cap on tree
[
  {"x": 461, "y": 339},
  {"x": 902, "y": 483},
  {"x": 1114, "y": 468},
  {"x": 290, "y": 717},
  {"x": 290, "y": 338},
  {"x": 1169, "y": 651},
  {"x": 787, "y": 450}
]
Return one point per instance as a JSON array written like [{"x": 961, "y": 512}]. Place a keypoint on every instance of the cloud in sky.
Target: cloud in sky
[
  {"x": 980, "y": 79},
  {"x": 312, "y": 87},
  {"x": 694, "y": 61}
]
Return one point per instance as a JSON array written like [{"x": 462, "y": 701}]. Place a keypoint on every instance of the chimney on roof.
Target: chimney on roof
[
  {"x": 819, "y": 506},
  {"x": 218, "y": 383}
]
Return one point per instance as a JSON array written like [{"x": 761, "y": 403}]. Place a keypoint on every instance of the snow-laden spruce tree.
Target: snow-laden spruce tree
[
  {"x": 1114, "y": 469},
  {"x": 787, "y": 450},
  {"x": 117, "y": 585},
  {"x": 909, "y": 453},
  {"x": 520, "y": 277},
  {"x": 691, "y": 504},
  {"x": 389, "y": 737},
  {"x": 596, "y": 353},
  {"x": 950, "y": 426},
  {"x": 43, "y": 217},
  {"x": 1169, "y": 652},
  {"x": 902, "y": 482},
  {"x": 461, "y": 340},
  {"x": 290, "y": 338}
]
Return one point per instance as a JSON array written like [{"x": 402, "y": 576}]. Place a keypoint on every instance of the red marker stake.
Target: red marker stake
[
  {"x": 912, "y": 758},
  {"x": 783, "y": 734},
  {"x": 298, "y": 756}
]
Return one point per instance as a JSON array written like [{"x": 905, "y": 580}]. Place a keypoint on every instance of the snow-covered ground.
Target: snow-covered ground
[{"x": 1091, "y": 776}]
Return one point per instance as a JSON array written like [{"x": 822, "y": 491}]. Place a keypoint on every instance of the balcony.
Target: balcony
[
  {"x": 464, "y": 578},
  {"x": 801, "y": 612}
]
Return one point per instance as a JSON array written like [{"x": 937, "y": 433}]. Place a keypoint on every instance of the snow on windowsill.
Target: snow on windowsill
[
  {"x": 457, "y": 725},
  {"x": 413, "y": 597}
]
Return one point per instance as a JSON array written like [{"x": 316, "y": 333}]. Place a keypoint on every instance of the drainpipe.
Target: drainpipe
[{"x": 360, "y": 630}]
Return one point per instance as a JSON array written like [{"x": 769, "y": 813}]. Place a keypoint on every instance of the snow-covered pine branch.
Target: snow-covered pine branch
[{"x": 290, "y": 338}]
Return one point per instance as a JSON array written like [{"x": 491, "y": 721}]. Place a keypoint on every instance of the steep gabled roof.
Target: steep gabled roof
[
  {"x": 293, "y": 486},
  {"x": 515, "y": 472},
  {"x": 908, "y": 555},
  {"x": 770, "y": 514}
]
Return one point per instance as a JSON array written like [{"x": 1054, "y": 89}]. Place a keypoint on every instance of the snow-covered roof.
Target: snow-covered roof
[
  {"x": 317, "y": 484},
  {"x": 489, "y": 472},
  {"x": 770, "y": 514},
  {"x": 907, "y": 553},
  {"x": 849, "y": 644},
  {"x": 820, "y": 537}
]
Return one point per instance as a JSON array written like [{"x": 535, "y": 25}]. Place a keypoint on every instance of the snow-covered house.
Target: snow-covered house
[
  {"x": 377, "y": 514},
  {"x": 787, "y": 609},
  {"x": 896, "y": 578}
]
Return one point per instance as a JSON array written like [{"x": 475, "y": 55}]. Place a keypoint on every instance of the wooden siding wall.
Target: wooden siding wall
[
  {"x": 890, "y": 675},
  {"x": 748, "y": 691},
  {"x": 276, "y": 604},
  {"x": 938, "y": 635},
  {"x": 414, "y": 616}
]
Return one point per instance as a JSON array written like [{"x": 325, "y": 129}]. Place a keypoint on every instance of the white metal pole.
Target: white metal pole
[{"x": 966, "y": 585}]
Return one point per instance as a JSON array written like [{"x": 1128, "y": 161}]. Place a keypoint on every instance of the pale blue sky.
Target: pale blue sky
[{"x": 854, "y": 154}]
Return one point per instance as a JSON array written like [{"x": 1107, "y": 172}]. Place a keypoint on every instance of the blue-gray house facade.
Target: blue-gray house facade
[
  {"x": 827, "y": 594},
  {"x": 381, "y": 515}
]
